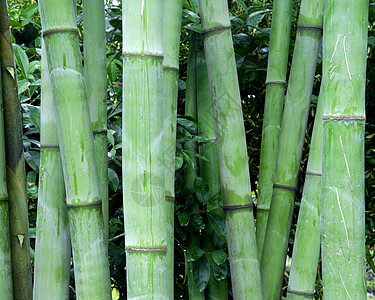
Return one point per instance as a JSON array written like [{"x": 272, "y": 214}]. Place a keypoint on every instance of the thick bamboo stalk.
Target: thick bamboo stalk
[
  {"x": 143, "y": 166},
  {"x": 171, "y": 44},
  {"x": 273, "y": 111},
  {"x": 15, "y": 165},
  {"x": 306, "y": 247},
  {"x": 95, "y": 71},
  {"x": 216, "y": 290},
  {"x": 77, "y": 150},
  {"x": 232, "y": 151},
  {"x": 343, "y": 204},
  {"x": 190, "y": 172},
  {"x": 6, "y": 286},
  {"x": 52, "y": 248},
  {"x": 292, "y": 137}
]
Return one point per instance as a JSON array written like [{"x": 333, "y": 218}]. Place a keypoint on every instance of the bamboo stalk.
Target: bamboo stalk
[
  {"x": 143, "y": 166},
  {"x": 216, "y": 290},
  {"x": 52, "y": 248},
  {"x": 171, "y": 43},
  {"x": 15, "y": 165},
  {"x": 232, "y": 151},
  {"x": 95, "y": 71},
  {"x": 77, "y": 150},
  {"x": 6, "y": 285},
  {"x": 292, "y": 137},
  {"x": 343, "y": 205},
  {"x": 273, "y": 111}
]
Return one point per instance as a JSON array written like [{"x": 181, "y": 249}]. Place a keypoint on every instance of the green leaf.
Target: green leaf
[
  {"x": 178, "y": 162},
  {"x": 194, "y": 253},
  {"x": 242, "y": 4},
  {"x": 29, "y": 10},
  {"x": 33, "y": 112},
  {"x": 197, "y": 221},
  {"x": 218, "y": 224},
  {"x": 219, "y": 257},
  {"x": 188, "y": 123},
  {"x": 113, "y": 179},
  {"x": 32, "y": 232},
  {"x": 31, "y": 177},
  {"x": 201, "y": 273},
  {"x": 201, "y": 190},
  {"x": 23, "y": 85},
  {"x": 33, "y": 158},
  {"x": 188, "y": 159},
  {"x": 32, "y": 191},
  {"x": 184, "y": 218},
  {"x": 22, "y": 61},
  {"x": 110, "y": 136},
  {"x": 220, "y": 272},
  {"x": 255, "y": 18}
]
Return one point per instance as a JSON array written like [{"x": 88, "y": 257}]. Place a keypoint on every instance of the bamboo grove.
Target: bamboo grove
[{"x": 127, "y": 139}]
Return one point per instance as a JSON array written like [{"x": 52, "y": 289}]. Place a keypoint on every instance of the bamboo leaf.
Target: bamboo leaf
[
  {"x": 114, "y": 181},
  {"x": 201, "y": 190},
  {"x": 178, "y": 162},
  {"x": 220, "y": 271},
  {"x": 22, "y": 61},
  {"x": 194, "y": 253},
  {"x": 201, "y": 273},
  {"x": 255, "y": 18},
  {"x": 218, "y": 224},
  {"x": 242, "y": 4},
  {"x": 32, "y": 158},
  {"x": 219, "y": 257},
  {"x": 33, "y": 112}
]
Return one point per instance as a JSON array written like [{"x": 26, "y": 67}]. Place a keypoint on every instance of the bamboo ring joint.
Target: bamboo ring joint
[
  {"x": 344, "y": 118},
  {"x": 217, "y": 29},
  {"x": 71, "y": 30},
  {"x": 310, "y": 295},
  {"x": 50, "y": 147},
  {"x": 96, "y": 132},
  {"x": 85, "y": 205},
  {"x": 236, "y": 207},
  {"x": 170, "y": 198},
  {"x": 143, "y": 54},
  {"x": 177, "y": 70},
  {"x": 285, "y": 187},
  {"x": 317, "y": 28},
  {"x": 146, "y": 249}
]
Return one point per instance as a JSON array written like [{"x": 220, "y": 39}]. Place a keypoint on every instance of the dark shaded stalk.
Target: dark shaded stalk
[{"x": 15, "y": 165}]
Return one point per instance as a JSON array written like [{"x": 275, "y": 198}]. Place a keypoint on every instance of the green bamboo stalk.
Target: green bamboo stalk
[
  {"x": 292, "y": 137},
  {"x": 6, "y": 286},
  {"x": 273, "y": 111},
  {"x": 343, "y": 206},
  {"x": 232, "y": 151},
  {"x": 77, "y": 150},
  {"x": 52, "y": 248},
  {"x": 216, "y": 290},
  {"x": 190, "y": 172},
  {"x": 171, "y": 44},
  {"x": 95, "y": 71},
  {"x": 143, "y": 167},
  {"x": 306, "y": 247},
  {"x": 15, "y": 165}
]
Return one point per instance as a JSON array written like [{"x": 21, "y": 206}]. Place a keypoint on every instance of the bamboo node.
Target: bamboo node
[
  {"x": 310, "y": 295},
  {"x": 285, "y": 187},
  {"x": 96, "y": 132},
  {"x": 217, "y": 29},
  {"x": 85, "y": 205},
  {"x": 177, "y": 70},
  {"x": 306, "y": 27},
  {"x": 313, "y": 174},
  {"x": 71, "y": 30},
  {"x": 235, "y": 207},
  {"x": 143, "y": 54},
  {"x": 146, "y": 249},
  {"x": 262, "y": 209},
  {"x": 170, "y": 198},
  {"x": 344, "y": 118},
  {"x": 50, "y": 147},
  {"x": 276, "y": 83}
]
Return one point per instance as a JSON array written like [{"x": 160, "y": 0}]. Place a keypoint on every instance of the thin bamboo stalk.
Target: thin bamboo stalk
[
  {"x": 292, "y": 137},
  {"x": 77, "y": 150},
  {"x": 171, "y": 43},
  {"x": 15, "y": 165},
  {"x": 52, "y": 248},
  {"x": 143, "y": 166},
  {"x": 273, "y": 111},
  {"x": 95, "y": 71},
  {"x": 232, "y": 151},
  {"x": 216, "y": 290},
  {"x": 306, "y": 247},
  {"x": 6, "y": 285},
  {"x": 343, "y": 204}
]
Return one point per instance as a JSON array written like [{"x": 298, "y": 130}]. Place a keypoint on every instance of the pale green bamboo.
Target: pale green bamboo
[
  {"x": 273, "y": 111},
  {"x": 343, "y": 205},
  {"x": 143, "y": 165},
  {"x": 291, "y": 141},
  {"x": 77, "y": 150},
  {"x": 6, "y": 286},
  {"x": 190, "y": 172},
  {"x": 95, "y": 71},
  {"x": 52, "y": 248},
  {"x": 306, "y": 247},
  {"x": 216, "y": 290},
  {"x": 232, "y": 150},
  {"x": 15, "y": 165},
  {"x": 171, "y": 44}
]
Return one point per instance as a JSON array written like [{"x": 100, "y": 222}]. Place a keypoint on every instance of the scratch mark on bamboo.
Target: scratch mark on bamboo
[
  {"x": 346, "y": 59},
  {"x": 346, "y": 163},
  {"x": 343, "y": 283},
  {"x": 343, "y": 219},
  {"x": 334, "y": 50},
  {"x": 142, "y": 7}
]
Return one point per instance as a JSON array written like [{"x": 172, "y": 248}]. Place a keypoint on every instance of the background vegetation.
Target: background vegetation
[{"x": 251, "y": 21}]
